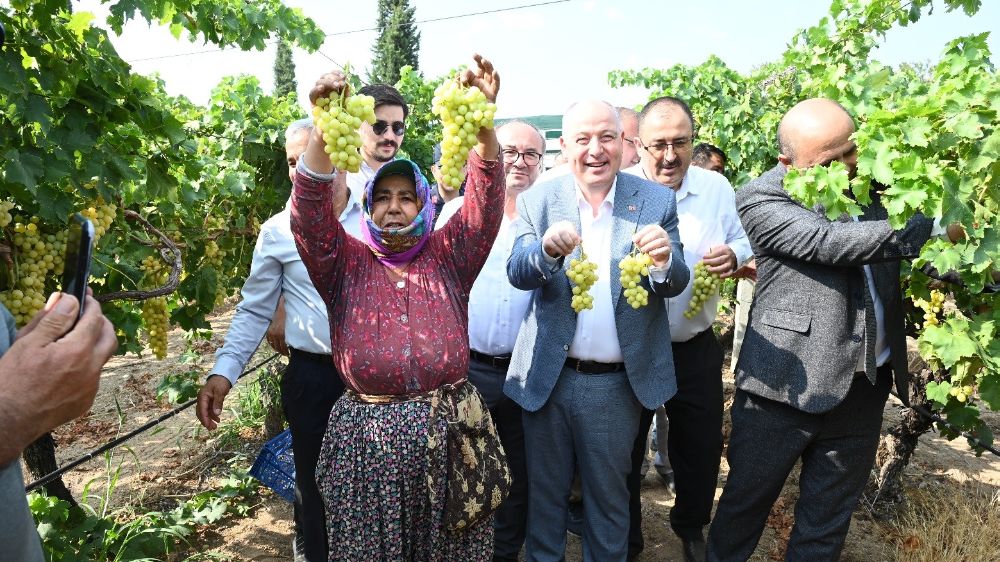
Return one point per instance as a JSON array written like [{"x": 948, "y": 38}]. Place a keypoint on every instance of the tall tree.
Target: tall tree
[
  {"x": 398, "y": 42},
  {"x": 284, "y": 70}
]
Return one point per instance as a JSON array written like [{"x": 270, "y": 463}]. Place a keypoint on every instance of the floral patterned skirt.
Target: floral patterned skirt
[{"x": 373, "y": 472}]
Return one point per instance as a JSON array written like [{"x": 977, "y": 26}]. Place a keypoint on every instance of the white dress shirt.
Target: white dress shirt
[
  {"x": 276, "y": 270},
  {"x": 706, "y": 216},
  {"x": 882, "y": 350},
  {"x": 496, "y": 308}
]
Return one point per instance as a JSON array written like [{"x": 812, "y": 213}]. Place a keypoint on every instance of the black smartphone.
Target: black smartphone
[{"x": 76, "y": 266}]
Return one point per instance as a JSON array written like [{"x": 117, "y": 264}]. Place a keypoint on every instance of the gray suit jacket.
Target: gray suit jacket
[
  {"x": 548, "y": 329},
  {"x": 807, "y": 322}
]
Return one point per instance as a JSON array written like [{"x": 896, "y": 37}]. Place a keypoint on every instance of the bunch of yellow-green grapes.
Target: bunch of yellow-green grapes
[
  {"x": 583, "y": 273},
  {"x": 463, "y": 111},
  {"x": 5, "y": 216},
  {"x": 633, "y": 268},
  {"x": 705, "y": 285},
  {"x": 213, "y": 258},
  {"x": 154, "y": 310},
  {"x": 962, "y": 393},
  {"x": 102, "y": 215},
  {"x": 338, "y": 118},
  {"x": 37, "y": 255},
  {"x": 931, "y": 309}
]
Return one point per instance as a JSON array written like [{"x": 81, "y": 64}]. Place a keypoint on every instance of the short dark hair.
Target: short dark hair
[
  {"x": 704, "y": 151},
  {"x": 667, "y": 101},
  {"x": 385, "y": 95}
]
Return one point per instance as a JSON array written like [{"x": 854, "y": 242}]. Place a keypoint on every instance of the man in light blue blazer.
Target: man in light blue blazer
[{"x": 583, "y": 379}]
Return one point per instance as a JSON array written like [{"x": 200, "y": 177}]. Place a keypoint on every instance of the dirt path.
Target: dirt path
[{"x": 180, "y": 459}]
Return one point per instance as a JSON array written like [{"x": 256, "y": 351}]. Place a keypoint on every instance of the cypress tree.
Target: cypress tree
[
  {"x": 284, "y": 70},
  {"x": 398, "y": 42}
]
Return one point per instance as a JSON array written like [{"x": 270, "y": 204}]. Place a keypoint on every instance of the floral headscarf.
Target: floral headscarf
[{"x": 398, "y": 246}]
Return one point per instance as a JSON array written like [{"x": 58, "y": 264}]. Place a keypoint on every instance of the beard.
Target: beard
[{"x": 379, "y": 157}]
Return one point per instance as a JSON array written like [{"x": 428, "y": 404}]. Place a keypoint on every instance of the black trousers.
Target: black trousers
[
  {"x": 309, "y": 389},
  {"x": 694, "y": 442},
  {"x": 510, "y": 522}
]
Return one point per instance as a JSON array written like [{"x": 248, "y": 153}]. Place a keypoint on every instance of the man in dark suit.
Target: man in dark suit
[
  {"x": 583, "y": 379},
  {"x": 824, "y": 342}
]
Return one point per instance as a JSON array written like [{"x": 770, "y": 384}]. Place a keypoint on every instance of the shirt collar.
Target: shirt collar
[
  {"x": 609, "y": 199},
  {"x": 688, "y": 185}
]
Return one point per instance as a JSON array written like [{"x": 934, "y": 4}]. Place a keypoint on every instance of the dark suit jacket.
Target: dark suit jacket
[
  {"x": 549, "y": 328},
  {"x": 807, "y": 322}
]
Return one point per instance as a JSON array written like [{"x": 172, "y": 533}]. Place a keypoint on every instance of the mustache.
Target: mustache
[{"x": 387, "y": 143}]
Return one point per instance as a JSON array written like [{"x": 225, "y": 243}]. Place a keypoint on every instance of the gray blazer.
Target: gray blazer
[
  {"x": 548, "y": 330},
  {"x": 807, "y": 321}
]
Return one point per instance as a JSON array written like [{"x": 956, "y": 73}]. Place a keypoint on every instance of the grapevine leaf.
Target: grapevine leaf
[
  {"x": 882, "y": 166},
  {"x": 79, "y": 23},
  {"x": 22, "y": 168},
  {"x": 948, "y": 342},
  {"x": 938, "y": 391},
  {"x": 160, "y": 184},
  {"x": 957, "y": 195},
  {"x": 962, "y": 414},
  {"x": 916, "y": 131},
  {"x": 966, "y": 124},
  {"x": 53, "y": 203},
  {"x": 989, "y": 390},
  {"x": 949, "y": 259}
]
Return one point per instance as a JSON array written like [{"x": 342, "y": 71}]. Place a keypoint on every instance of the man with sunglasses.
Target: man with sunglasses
[
  {"x": 496, "y": 309},
  {"x": 310, "y": 385},
  {"x": 711, "y": 232}
]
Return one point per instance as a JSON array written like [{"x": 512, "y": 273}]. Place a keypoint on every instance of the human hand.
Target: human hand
[
  {"x": 50, "y": 374},
  {"x": 653, "y": 240},
  {"x": 330, "y": 83},
  {"x": 560, "y": 239},
  {"x": 721, "y": 260},
  {"x": 484, "y": 77},
  {"x": 210, "y": 398},
  {"x": 276, "y": 331}
]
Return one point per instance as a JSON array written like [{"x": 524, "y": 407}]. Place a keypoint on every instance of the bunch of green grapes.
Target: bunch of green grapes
[
  {"x": 962, "y": 393},
  {"x": 706, "y": 284},
  {"x": 583, "y": 273},
  {"x": 5, "y": 216},
  {"x": 154, "y": 310},
  {"x": 463, "y": 111},
  {"x": 633, "y": 268},
  {"x": 37, "y": 255},
  {"x": 213, "y": 258},
  {"x": 931, "y": 309},
  {"x": 102, "y": 215},
  {"x": 339, "y": 117}
]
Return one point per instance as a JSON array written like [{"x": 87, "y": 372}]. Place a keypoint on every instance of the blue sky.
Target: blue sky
[{"x": 548, "y": 56}]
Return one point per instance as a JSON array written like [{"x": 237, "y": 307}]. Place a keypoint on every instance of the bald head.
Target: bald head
[
  {"x": 816, "y": 132},
  {"x": 591, "y": 141}
]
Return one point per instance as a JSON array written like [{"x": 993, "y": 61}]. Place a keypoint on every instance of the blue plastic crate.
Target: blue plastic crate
[{"x": 275, "y": 466}]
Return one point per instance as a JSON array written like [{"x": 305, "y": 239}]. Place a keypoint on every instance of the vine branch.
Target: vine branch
[{"x": 170, "y": 254}]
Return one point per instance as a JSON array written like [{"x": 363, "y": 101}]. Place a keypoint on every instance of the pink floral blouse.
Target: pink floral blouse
[{"x": 399, "y": 337}]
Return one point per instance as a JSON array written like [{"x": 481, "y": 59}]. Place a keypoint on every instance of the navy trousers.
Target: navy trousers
[{"x": 309, "y": 389}]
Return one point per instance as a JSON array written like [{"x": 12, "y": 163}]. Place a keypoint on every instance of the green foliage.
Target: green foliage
[
  {"x": 927, "y": 141},
  {"x": 423, "y": 128},
  {"x": 177, "y": 388},
  {"x": 398, "y": 42},
  {"x": 284, "y": 71},
  {"x": 85, "y": 533}
]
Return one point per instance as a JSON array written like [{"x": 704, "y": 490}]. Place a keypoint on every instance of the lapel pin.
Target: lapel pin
[{"x": 631, "y": 208}]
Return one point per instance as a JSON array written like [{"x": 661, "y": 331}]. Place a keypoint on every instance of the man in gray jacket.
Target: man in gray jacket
[{"x": 824, "y": 342}]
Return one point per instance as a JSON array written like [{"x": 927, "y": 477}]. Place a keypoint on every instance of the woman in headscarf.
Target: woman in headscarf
[{"x": 398, "y": 308}]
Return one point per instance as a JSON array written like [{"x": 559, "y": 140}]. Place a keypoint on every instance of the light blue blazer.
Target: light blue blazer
[{"x": 548, "y": 329}]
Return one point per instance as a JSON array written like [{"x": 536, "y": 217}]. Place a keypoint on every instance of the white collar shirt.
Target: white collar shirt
[
  {"x": 706, "y": 218},
  {"x": 596, "y": 337},
  {"x": 496, "y": 308},
  {"x": 277, "y": 270}
]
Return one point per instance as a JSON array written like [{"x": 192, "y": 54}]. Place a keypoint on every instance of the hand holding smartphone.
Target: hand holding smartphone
[{"x": 76, "y": 266}]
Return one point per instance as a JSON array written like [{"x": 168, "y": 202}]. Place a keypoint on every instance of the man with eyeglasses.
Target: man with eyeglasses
[
  {"x": 278, "y": 291},
  {"x": 496, "y": 309},
  {"x": 711, "y": 232}
]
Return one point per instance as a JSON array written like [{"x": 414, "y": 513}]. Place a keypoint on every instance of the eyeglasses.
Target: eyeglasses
[
  {"x": 660, "y": 147},
  {"x": 398, "y": 128},
  {"x": 530, "y": 158}
]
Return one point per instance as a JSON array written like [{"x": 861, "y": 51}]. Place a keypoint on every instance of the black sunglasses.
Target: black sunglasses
[{"x": 398, "y": 127}]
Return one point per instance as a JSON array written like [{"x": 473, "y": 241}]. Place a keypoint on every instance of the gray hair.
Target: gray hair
[
  {"x": 304, "y": 124},
  {"x": 523, "y": 122}
]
